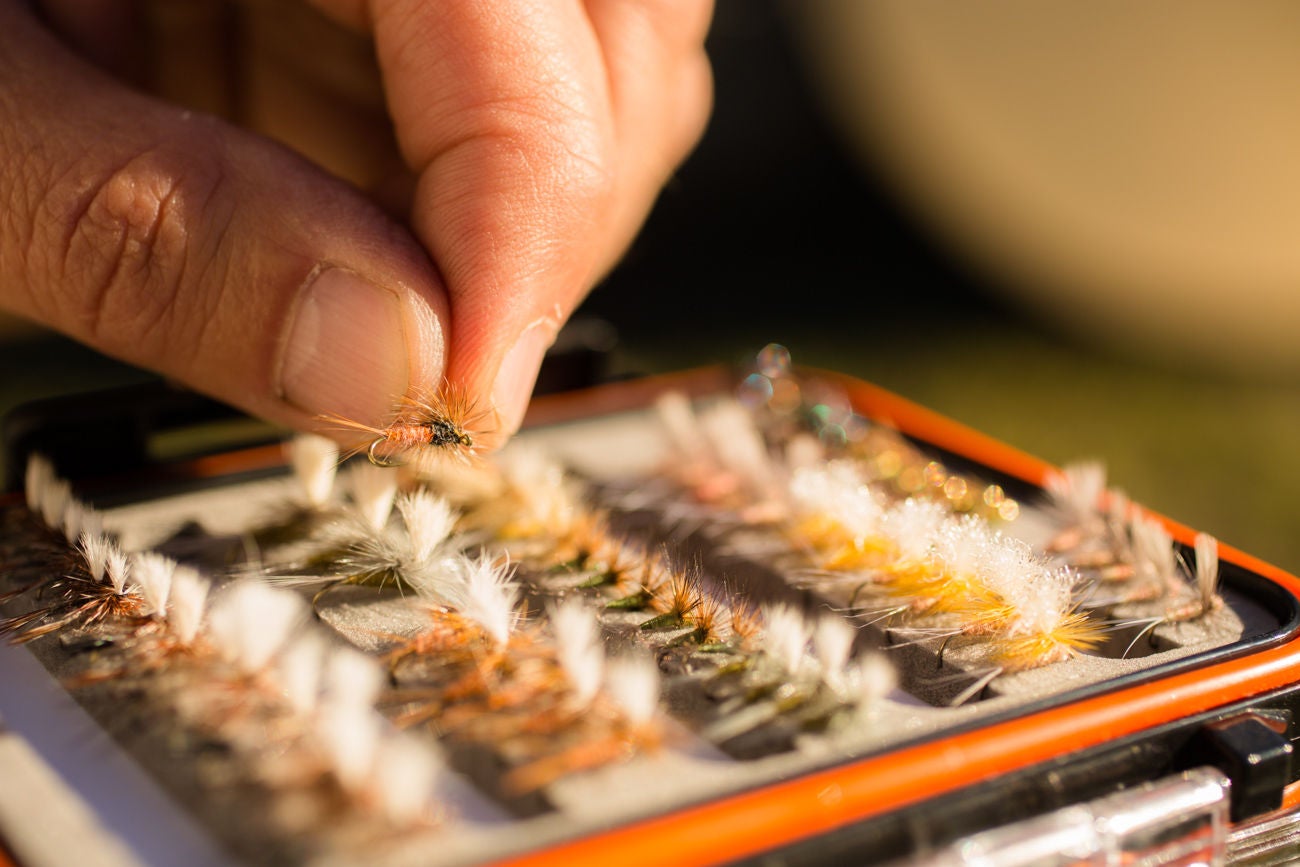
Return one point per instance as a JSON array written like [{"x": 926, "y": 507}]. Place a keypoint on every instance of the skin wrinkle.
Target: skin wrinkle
[
  {"x": 498, "y": 120},
  {"x": 469, "y": 255},
  {"x": 214, "y": 273},
  {"x": 139, "y": 257},
  {"x": 18, "y": 220},
  {"x": 204, "y": 326},
  {"x": 499, "y": 90},
  {"x": 19, "y": 177},
  {"x": 69, "y": 223},
  {"x": 36, "y": 213},
  {"x": 100, "y": 221},
  {"x": 40, "y": 207},
  {"x": 68, "y": 196},
  {"x": 135, "y": 248},
  {"x": 588, "y": 188},
  {"x": 147, "y": 209},
  {"x": 407, "y": 49},
  {"x": 218, "y": 210}
]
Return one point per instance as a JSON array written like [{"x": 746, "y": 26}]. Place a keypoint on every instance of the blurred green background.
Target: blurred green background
[{"x": 773, "y": 231}]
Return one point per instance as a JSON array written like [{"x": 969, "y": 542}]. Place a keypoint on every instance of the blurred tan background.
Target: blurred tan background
[
  {"x": 1130, "y": 169},
  {"x": 1068, "y": 226}
]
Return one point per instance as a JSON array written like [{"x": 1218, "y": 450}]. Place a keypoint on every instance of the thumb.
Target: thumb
[{"x": 177, "y": 243}]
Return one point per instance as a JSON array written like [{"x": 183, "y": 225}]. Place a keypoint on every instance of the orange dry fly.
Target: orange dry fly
[{"x": 444, "y": 422}]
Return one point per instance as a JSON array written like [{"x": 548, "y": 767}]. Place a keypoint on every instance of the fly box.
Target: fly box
[{"x": 774, "y": 616}]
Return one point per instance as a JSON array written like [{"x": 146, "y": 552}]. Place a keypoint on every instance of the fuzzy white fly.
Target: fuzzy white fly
[
  {"x": 95, "y": 550},
  {"x": 351, "y": 677},
  {"x": 298, "y": 669},
  {"x": 315, "y": 461},
  {"x": 39, "y": 474},
  {"x": 838, "y": 492},
  {"x": 546, "y": 498},
  {"x": 1155, "y": 560},
  {"x": 577, "y": 639},
  {"x": 249, "y": 622},
  {"x": 416, "y": 553},
  {"x": 1044, "y": 601},
  {"x": 1076, "y": 492},
  {"x": 117, "y": 566},
  {"x": 1205, "y": 579},
  {"x": 484, "y": 592},
  {"x": 833, "y": 641},
  {"x": 349, "y": 734},
  {"x": 429, "y": 520},
  {"x": 1118, "y": 518},
  {"x": 152, "y": 574},
  {"x": 633, "y": 684},
  {"x": 189, "y": 592},
  {"x": 965, "y": 547},
  {"x": 79, "y": 518},
  {"x": 867, "y": 680},
  {"x": 785, "y": 639},
  {"x": 738, "y": 444},
  {"x": 404, "y": 776},
  {"x": 1207, "y": 570},
  {"x": 55, "y": 497},
  {"x": 373, "y": 490},
  {"x": 913, "y": 526}
]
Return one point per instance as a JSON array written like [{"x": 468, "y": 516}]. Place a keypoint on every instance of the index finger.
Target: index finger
[{"x": 503, "y": 111}]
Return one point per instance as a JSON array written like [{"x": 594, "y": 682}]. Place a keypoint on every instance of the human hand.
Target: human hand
[{"x": 537, "y": 134}]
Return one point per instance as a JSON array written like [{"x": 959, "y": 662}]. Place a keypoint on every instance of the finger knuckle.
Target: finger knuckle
[
  {"x": 558, "y": 149},
  {"x": 127, "y": 249}
]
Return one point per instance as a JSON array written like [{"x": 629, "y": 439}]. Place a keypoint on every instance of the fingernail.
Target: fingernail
[
  {"x": 346, "y": 353},
  {"x": 518, "y": 374}
]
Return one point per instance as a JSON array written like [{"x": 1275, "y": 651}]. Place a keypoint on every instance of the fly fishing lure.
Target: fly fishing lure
[
  {"x": 311, "y": 502},
  {"x": 83, "y": 582},
  {"x": 803, "y": 676},
  {"x": 838, "y": 517},
  {"x": 930, "y": 573},
  {"x": 623, "y": 722},
  {"x": 813, "y": 420},
  {"x": 425, "y": 424},
  {"x": 547, "y": 705},
  {"x": 276, "y": 660},
  {"x": 357, "y": 553},
  {"x": 1193, "y": 592}
]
